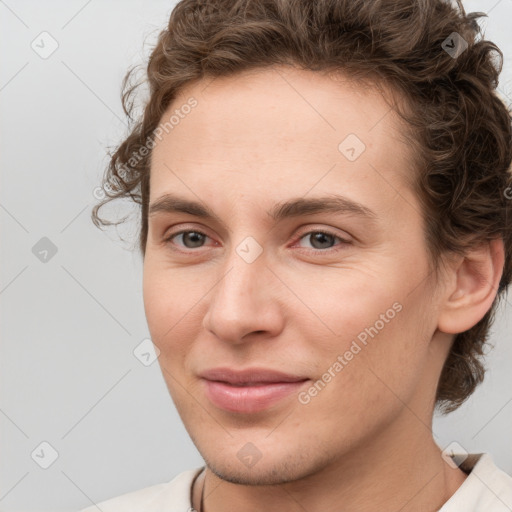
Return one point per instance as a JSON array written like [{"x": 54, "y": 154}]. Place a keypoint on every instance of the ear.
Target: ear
[{"x": 473, "y": 282}]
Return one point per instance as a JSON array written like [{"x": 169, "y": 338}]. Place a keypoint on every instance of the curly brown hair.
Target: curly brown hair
[{"x": 429, "y": 51}]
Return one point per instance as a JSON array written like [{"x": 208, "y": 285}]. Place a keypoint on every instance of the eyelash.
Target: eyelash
[{"x": 325, "y": 232}]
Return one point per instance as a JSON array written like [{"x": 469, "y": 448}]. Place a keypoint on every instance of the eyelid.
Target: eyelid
[
  {"x": 328, "y": 231},
  {"x": 308, "y": 230},
  {"x": 343, "y": 241},
  {"x": 170, "y": 236}
]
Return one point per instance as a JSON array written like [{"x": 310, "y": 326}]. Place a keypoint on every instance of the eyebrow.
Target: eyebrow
[{"x": 170, "y": 203}]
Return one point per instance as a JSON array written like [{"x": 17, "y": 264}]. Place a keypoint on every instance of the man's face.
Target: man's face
[{"x": 348, "y": 314}]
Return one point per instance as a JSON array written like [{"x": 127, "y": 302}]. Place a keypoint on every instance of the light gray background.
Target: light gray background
[{"x": 69, "y": 326}]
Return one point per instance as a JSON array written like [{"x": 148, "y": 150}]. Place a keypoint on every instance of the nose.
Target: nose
[{"x": 244, "y": 302}]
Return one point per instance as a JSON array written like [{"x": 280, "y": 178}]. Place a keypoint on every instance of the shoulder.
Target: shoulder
[
  {"x": 487, "y": 488},
  {"x": 169, "y": 496}
]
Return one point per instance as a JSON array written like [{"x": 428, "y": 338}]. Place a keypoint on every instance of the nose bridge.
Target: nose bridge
[
  {"x": 245, "y": 263},
  {"x": 242, "y": 282},
  {"x": 240, "y": 301}
]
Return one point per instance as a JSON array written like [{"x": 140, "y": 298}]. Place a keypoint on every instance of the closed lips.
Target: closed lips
[
  {"x": 249, "y": 392},
  {"x": 249, "y": 377},
  {"x": 247, "y": 384}
]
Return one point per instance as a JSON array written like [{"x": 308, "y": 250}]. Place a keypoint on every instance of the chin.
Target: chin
[
  {"x": 269, "y": 475},
  {"x": 288, "y": 468}
]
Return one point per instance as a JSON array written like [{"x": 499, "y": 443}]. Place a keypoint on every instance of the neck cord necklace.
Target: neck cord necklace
[{"x": 201, "y": 502}]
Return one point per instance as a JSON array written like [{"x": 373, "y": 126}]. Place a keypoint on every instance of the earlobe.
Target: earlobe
[{"x": 475, "y": 284}]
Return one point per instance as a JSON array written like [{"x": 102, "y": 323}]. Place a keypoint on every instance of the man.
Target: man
[{"x": 324, "y": 231}]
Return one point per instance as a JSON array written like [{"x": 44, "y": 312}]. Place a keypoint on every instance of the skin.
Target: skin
[{"x": 261, "y": 138}]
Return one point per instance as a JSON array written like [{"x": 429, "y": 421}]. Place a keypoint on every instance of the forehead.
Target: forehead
[{"x": 277, "y": 127}]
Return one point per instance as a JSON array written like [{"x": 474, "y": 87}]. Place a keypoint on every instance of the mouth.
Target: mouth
[{"x": 249, "y": 391}]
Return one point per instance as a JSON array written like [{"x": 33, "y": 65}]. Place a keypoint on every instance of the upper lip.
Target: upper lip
[{"x": 249, "y": 375}]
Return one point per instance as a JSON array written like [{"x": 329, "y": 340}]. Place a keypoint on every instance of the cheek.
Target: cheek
[
  {"x": 168, "y": 305},
  {"x": 372, "y": 336},
  {"x": 171, "y": 297},
  {"x": 360, "y": 386},
  {"x": 157, "y": 302},
  {"x": 384, "y": 375},
  {"x": 175, "y": 302},
  {"x": 167, "y": 322}
]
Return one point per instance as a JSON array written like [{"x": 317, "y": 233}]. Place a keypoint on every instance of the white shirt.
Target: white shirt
[{"x": 486, "y": 489}]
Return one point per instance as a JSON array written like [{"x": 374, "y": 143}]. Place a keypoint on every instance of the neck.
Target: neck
[{"x": 389, "y": 473}]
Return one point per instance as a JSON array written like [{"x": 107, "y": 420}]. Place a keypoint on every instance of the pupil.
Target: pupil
[
  {"x": 195, "y": 238},
  {"x": 321, "y": 238}
]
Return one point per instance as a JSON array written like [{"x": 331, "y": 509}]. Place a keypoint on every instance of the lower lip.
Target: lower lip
[{"x": 249, "y": 399}]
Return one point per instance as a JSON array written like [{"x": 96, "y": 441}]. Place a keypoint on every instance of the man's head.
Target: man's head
[{"x": 256, "y": 110}]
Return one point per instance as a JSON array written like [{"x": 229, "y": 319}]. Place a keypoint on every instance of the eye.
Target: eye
[
  {"x": 321, "y": 240},
  {"x": 190, "y": 239},
  {"x": 318, "y": 239}
]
